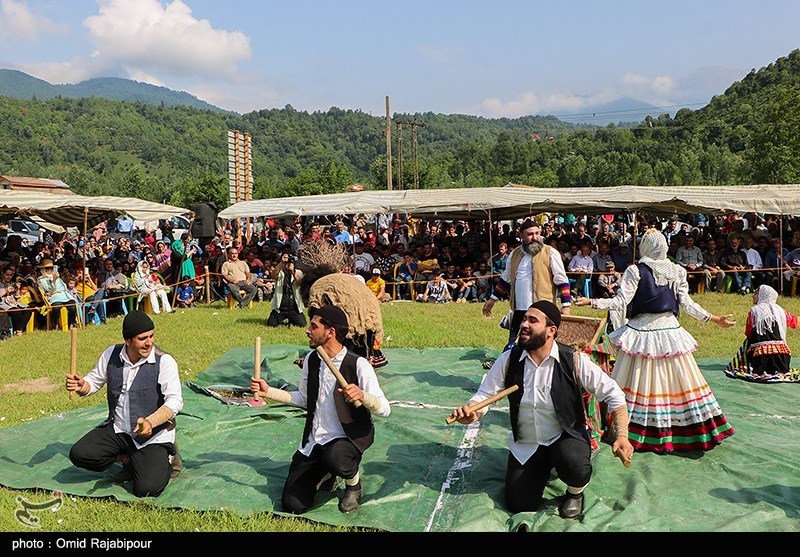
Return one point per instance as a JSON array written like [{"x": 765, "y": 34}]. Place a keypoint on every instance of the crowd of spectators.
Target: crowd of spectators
[{"x": 399, "y": 258}]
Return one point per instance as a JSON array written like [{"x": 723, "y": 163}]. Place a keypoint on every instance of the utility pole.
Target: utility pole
[
  {"x": 399, "y": 156},
  {"x": 413, "y": 125},
  {"x": 388, "y": 147}
]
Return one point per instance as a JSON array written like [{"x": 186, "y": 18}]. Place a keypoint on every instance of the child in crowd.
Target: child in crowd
[{"x": 186, "y": 295}]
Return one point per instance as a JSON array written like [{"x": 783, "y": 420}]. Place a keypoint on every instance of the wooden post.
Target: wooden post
[
  {"x": 257, "y": 364},
  {"x": 388, "y": 147},
  {"x": 208, "y": 286},
  {"x": 73, "y": 357}
]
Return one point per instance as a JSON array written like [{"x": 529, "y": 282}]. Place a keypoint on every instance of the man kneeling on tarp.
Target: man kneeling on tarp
[
  {"x": 339, "y": 419},
  {"x": 548, "y": 424},
  {"x": 144, "y": 395}
]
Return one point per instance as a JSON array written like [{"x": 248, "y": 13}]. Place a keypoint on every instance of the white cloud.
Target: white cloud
[
  {"x": 529, "y": 103},
  {"x": 442, "y": 55},
  {"x": 59, "y": 72},
  {"x": 19, "y": 22},
  {"x": 641, "y": 84},
  {"x": 148, "y": 38}
]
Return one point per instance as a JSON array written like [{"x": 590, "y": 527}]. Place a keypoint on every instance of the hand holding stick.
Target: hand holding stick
[
  {"x": 492, "y": 399},
  {"x": 257, "y": 366},
  {"x": 335, "y": 371},
  {"x": 73, "y": 358}
]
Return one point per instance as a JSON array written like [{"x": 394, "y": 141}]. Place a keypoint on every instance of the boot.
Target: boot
[
  {"x": 571, "y": 506},
  {"x": 177, "y": 464},
  {"x": 351, "y": 498}
]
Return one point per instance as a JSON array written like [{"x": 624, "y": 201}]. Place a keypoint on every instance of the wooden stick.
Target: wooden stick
[
  {"x": 475, "y": 407},
  {"x": 257, "y": 366},
  {"x": 335, "y": 371},
  {"x": 73, "y": 357}
]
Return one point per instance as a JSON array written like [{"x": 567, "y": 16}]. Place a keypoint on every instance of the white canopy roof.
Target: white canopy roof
[
  {"x": 514, "y": 201},
  {"x": 69, "y": 210}
]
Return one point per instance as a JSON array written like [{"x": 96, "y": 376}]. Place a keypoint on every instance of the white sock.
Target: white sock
[
  {"x": 353, "y": 481},
  {"x": 575, "y": 490}
]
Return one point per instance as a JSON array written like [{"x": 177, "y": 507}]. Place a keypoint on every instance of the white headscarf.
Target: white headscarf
[
  {"x": 653, "y": 253},
  {"x": 766, "y": 312}
]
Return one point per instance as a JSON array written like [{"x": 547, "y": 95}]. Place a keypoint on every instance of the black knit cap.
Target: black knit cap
[
  {"x": 527, "y": 223},
  {"x": 136, "y": 323},
  {"x": 550, "y": 310},
  {"x": 332, "y": 315}
]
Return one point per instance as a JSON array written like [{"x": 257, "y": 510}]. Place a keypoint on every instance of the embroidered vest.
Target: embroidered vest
[
  {"x": 542, "y": 277},
  {"x": 650, "y": 298}
]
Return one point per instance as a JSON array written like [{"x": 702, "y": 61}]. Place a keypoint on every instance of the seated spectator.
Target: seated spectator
[
  {"x": 12, "y": 300},
  {"x": 186, "y": 295},
  {"x": 436, "y": 290},
  {"x": 483, "y": 282},
  {"x": 384, "y": 261},
  {"x": 622, "y": 256},
  {"x": 151, "y": 287},
  {"x": 734, "y": 262},
  {"x": 405, "y": 276},
  {"x": 451, "y": 278},
  {"x": 581, "y": 267},
  {"x": 608, "y": 282},
  {"x": 716, "y": 276},
  {"x": 467, "y": 289},
  {"x": 362, "y": 261},
  {"x": 427, "y": 262},
  {"x": 690, "y": 258},
  {"x": 115, "y": 288},
  {"x": 377, "y": 285},
  {"x": 87, "y": 292},
  {"x": 55, "y": 290}
]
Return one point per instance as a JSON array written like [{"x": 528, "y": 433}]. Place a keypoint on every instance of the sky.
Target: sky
[{"x": 491, "y": 58}]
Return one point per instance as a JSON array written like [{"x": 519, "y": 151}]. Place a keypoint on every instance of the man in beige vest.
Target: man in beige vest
[{"x": 534, "y": 272}]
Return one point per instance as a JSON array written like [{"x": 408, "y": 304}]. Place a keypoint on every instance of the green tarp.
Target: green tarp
[{"x": 423, "y": 475}]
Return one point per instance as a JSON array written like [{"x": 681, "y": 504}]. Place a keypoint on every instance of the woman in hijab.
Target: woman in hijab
[
  {"x": 151, "y": 287},
  {"x": 670, "y": 403},
  {"x": 764, "y": 356}
]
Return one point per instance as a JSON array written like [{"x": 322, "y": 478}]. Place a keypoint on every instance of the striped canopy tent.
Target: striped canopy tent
[
  {"x": 81, "y": 211},
  {"x": 516, "y": 200}
]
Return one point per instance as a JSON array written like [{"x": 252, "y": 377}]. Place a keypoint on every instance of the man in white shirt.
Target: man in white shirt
[
  {"x": 755, "y": 262},
  {"x": 581, "y": 266},
  {"x": 534, "y": 271},
  {"x": 548, "y": 424},
  {"x": 144, "y": 395},
  {"x": 338, "y": 428}
]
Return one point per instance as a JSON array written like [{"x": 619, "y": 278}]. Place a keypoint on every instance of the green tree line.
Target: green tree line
[{"x": 178, "y": 155}]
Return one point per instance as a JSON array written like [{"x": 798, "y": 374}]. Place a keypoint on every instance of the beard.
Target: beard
[
  {"x": 533, "y": 247},
  {"x": 534, "y": 341}
]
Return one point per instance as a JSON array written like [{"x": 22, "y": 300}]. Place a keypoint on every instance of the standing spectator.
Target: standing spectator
[
  {"x": 292, "y": 241},
  {"x": 125, "y": 226},
  {"x": 342, "y": 235}
]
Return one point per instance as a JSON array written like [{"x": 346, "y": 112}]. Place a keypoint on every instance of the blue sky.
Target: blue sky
[{"x": 493, "y": 58}]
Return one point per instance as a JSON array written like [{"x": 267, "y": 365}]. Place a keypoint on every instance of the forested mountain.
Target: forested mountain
[
  {"x": 749, "y": 134},
  {"x": 19, "y": 85}
]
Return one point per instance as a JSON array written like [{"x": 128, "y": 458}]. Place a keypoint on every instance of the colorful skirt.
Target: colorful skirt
[
  {"x": 671, "y": 406},
  {"x": 765, "y": 364}
]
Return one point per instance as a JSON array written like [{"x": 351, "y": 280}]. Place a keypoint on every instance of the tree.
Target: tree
[{"x": 774, "y": 155}]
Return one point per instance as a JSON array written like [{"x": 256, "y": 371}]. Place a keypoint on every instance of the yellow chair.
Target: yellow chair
[
  {"x": 232, "y": 303},
  {"x": 46, "y": 310},
  {"x": 142, "y": 302}
]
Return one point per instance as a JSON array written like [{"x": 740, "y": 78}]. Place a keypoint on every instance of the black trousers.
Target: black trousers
[
  {"x": 99, "y": 449},
  {"x": 277, "y": 317},
  {"x": 338, "y": 458},
  {"x": 525, "y": 483}
]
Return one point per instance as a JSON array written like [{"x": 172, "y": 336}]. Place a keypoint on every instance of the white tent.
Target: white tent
[
  {"x": 78, "y": 210},
  {"x": 514, "y": 201}
]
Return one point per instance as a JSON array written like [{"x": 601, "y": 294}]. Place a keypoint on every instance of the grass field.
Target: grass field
[{"x": 32, "y": 369}]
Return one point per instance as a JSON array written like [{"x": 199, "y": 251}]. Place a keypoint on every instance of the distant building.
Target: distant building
[{"x": 26, "y": 183}]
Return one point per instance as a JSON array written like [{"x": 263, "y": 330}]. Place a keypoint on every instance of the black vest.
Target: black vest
[
  {"x": 650, "y": 298},
  {"x": 567, "y": 398},
  {"x": 356, "y": 422},
  {"x": 144, "y": 397}
]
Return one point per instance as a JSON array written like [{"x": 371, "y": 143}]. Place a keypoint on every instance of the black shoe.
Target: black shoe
[
  {"x": 177, "y": 466},
  {"x": 351, "y": 498},
  {"x": 125, "y": 475},
  {"x": 329, "y": 485},
  {"x": 571, "y": 506}
]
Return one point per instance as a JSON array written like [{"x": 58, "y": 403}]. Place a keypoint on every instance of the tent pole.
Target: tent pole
[
  {"x": 81, "y": 308},
  {"x": 780, "y": 253},
  {"x": 633, "y": 236},
  {"x": 491, "y": 230}
]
